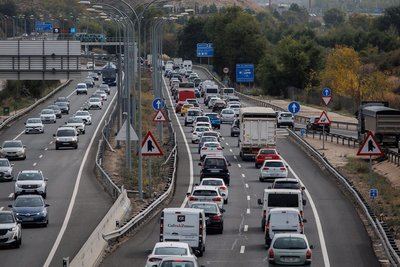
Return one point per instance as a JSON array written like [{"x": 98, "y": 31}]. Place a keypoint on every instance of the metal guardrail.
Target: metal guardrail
[
  {"x": 34, "y": 105},
  {"x": 170, "y": 164},
  {"x": 340, "y": 139}
]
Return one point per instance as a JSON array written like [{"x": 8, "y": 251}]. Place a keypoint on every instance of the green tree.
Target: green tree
[
  {"x": 8, "y": 8},
  {"x": 189, "y": 36},
  {"x": 391, "y": 18},
  {"x": 334, "y": 17}
]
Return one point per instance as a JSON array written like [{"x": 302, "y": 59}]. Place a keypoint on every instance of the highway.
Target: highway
[
  {"x": 333, "y": 226},
  {"x": 77, "y": 200}
]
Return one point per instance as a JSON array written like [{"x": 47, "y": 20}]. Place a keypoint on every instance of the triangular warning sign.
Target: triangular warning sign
[
  {"x": 324, "y": 119},
  {"x": 150, "y": 146},
  {"x": 159, "y": 117},
  {"x": 370, "y": 147},
  {"x": 327, "y": 99},
  {"x": 121, "y": 136}
]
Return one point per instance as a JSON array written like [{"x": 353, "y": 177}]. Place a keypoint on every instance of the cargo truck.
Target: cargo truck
[
  {"x": 109, "y": 74},
  {"x": 257, "y": 130},
  {"x": 382, "y": 121}
]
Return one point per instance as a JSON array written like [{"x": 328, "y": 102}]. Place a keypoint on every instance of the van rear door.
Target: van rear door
[{"x": 181, "y": 227}]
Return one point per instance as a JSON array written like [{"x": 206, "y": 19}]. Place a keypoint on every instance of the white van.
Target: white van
[
  {"x": 211, "y": 90},
  {"x": 281, "y": 198},
  {"x": 184, "y": 225},
  {"x": 283, "y": 220},
  {"x": 228, "y": 92},
  {"x": 187, "y": 64}
]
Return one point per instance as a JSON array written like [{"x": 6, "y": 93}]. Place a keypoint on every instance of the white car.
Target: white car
[
  {"x": 48, "y": 116},
  {"x": 6, "y": 169},
  {"x": 105, "y": 88},
  {"x": 218, "y": 182},
  {"x": 285, "y": 119},
  {"x": 85, "y": 116},
  {"x": 165, "y": 249},
  {"x": 206, "y": 194},
  {"x": 81, "y": 88},
  {"x": 202, "y": 124},
  {"x": 227, "y": 115},
  {"x": 213, "y": 133},
  {"x": 95, "y": 103},
  {"x": 211, "y": 149},
  {"x": 30, "y": 182},
  {"x": 212, "y": 101},
  {"x": 102, "y": 93},
  {"x": 272, "y": 169},
  {"x": 198, "y": 131},
  {"x": 77, "y": 123},
  {"x": 34, "y": 125},
  {"x": 191, "y": 115},
  {"x": 235, "y": 106}
]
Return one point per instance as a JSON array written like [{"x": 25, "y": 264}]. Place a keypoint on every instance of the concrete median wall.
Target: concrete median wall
[{"x": 93, "y": 249}]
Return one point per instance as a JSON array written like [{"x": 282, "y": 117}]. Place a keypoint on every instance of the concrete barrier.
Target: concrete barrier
[{"x": 91, "y": 252}]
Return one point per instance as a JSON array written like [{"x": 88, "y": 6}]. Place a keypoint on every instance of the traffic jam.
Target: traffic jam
[
  {"x": 29, "y": 207},
  {"x": 204, "y": 106}
]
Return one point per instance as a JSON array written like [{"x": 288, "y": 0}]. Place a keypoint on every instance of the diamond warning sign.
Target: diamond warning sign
[
  {"x": 370, "y": 147},
  {"x": 150, "y": 146}
]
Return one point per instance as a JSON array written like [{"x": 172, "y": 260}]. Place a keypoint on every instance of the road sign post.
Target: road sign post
[
  {"x": 370, "y": 147},
  {"x": 205, "y": 50},
  {"x": 326, "y": 95},
  {"x": 324, "y": 121},
  {"x": 159, "y": 118}
]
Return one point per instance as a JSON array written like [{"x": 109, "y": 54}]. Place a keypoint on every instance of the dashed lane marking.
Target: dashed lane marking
[
  {"x": 246, "y": 185},
  {"x": 242, "y": 248},
  {"x": 15, "y": 138},
  {"x": 231, "y": 150},
  {"x": 234, "y": 157},
  {"x": 1, "y": 208},
  {"x": 248, "y": 211},
  {"x": 244, "y": 176},
  {"x": 246, "y": 228},
  {"x": 41, "y": 156},
  {"x": 11, "y": 195},
  {"x": 248, "y": 198},
  {"x": 240, "y": 166},
  {"x": 46, "y": 148},
  {"x": 34, "y": 164}
]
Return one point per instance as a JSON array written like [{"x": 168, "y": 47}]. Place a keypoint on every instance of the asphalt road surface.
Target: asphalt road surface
[
  {"x": 333, "y": 226},
  {"x": 61, "y": 167}
]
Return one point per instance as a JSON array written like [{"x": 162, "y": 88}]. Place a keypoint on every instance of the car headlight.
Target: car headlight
[
  {"x": 17, "y": 214},
  {"x": 15, "y": 228},
  {"x": 43, "y": 212}
]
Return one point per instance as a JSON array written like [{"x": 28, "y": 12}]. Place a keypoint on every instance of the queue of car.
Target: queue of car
[{"x": 30, "y": 189}]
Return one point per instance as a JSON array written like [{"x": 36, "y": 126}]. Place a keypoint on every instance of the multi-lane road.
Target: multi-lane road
[
  {"x": 77, "y": 200},
  {"x": 333, "y": 227}
]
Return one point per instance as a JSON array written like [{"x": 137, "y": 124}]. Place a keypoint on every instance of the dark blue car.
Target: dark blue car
[
  {"x": 215, "y": 120},
  {"x": 31, "y": 209}
]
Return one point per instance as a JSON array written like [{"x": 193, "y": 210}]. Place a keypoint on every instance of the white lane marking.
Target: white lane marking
[
  {"x": 240, "y": 166},
  {"x": 231, "y": 150},
  {"x": 41, "y": 156},
  {"x": 34, "y": 164},
  {"x": 317, "y": 220},
  {"x": 243, "y": 175},
  {"x": 227, "y": 144},
  {"x": 46, "y": 149},
  {"x": 11, "y": 195},
  {"x": 50, "y": 142},
  {"x": 73, "y": 91},
  {"x": 234, "y": 157},
  {"x": 1, "y": 208},
  {"x": 223, "y": 138},
  {"x": 187, "y": 149},
  {"x": 242, "y": 248},
  {"x": 248, "y": 198},
  {"x": 246, "y": 185},
  {"x": 15, "y": 138},
  {"x": 75, "y": 192},
  {"x": 246, "y": 228},
  {"x": 248, "y": 211}
]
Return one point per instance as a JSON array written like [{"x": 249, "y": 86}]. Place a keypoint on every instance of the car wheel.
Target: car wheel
[
  {"x": 185, "y": 124},
  {"x": 307, "y": 263},
  {"x": 76, "y": 147},
  {"x": 261, "y": 179},
  {"x": 225, "y": 201},
  {"x": 18, "y": 243},
  {"x": 221, "y": 230},
  {"x": 83, "y": 132},
  {"x": 24, "y": 158},
  {"x": 271, "y": 262},
  {"x": 44, "y": 195},
  {"x": 232, "y": 135}
]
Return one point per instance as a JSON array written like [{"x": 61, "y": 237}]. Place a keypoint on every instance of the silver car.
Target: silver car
[
  {"x": 48, "y": 116},
  {"x": 105, "y": 88},
  {"x": 227, "y": 115},
  {"x": 290, "y": 249},
  {"x": 34, "y": 125},
  {"x": 85, "y": 116},
  {"x": 30, "y": 182},
  {"x": 10, "y": 229},
  {"x": 6, "y": 169},
  {"x": 13, "y": 149},
  {"x": 76, "y": 122},
  {"x": 95, "y": 103}
]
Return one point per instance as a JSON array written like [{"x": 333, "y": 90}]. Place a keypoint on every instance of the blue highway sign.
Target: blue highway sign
[
  {"x": 294, "y": 107},
  {"x": 373, "y": 193},
  {"x": 43, "y": 26},
  {"x": 244, "y": 73},
  {"x": 158, "y": 104},
  {"x": 326, "y": 91},
  {"x": 205, "y": 50}
]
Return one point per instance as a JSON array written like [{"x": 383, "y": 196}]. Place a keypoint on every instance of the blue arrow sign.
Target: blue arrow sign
[
  {"x": 294, "y": 107},
  {"x": 158, "y": 104},
  {"x": 326, "y": 91},
  {"x": 373, "y": 193}
]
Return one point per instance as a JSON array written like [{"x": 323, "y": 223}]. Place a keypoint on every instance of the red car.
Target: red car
[
  {"x": 265, "y": 154},
  {"x": 179, "y": 106}
]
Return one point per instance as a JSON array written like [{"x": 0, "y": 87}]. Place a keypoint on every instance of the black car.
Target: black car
[
  {"x": 215, "y": 167},
  {"x": 30, "y": 209},
  {"x": 312, "y": 125},
  {"x": 62, "y": 99},
  {"x": 235, "y": 128},
  {"x": 63, "y": 106},
  {"x": 214, "y": 217}
]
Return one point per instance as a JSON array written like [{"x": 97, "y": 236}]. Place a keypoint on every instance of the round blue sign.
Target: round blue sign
[
  {"x": 294, "y": 107},
  {"x": 158, "y": 104},
  {"x": 326, "y": 91}
]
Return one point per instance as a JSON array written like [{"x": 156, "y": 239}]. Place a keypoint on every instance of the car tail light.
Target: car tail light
[
  {"x": 219, "y": 148},
  {"x": 203, "y": 148},
  {"x": 271, "y": 253},
  {"x": 222, "y": 187},
  {"x": 154, "y": 259},
  {"x": 267, "y": 228},
  {"x": 192, "y": 198},
  {"x": 265, "y": 168},
  {"x": 282, "y": 168},
  {"x": 308, "y": 254},
  {"x": 216, "y": 218},
  {"x": 217, "y": 199}
]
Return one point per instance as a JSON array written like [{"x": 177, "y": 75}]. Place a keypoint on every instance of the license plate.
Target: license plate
[
  {"x": 289, "y": 259},
  {"x": 65, "y": 143},
  {"x": 29, "y": 219},
  {"x": 29, "y": 190},
  {"x": 215, "y": 171}
]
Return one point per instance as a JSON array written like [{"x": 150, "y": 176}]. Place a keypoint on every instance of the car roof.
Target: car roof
[
  {"x": 204, "y": 203},
  {"x": 30, "y": 171},
  {"x": 171, "y": 244},
  {"x": 182, "y": 210},
  {"x": 210, "y": 179},
  {"x": 82, "y": 84},
  {"x": 29, "y": 196},
  {"x": 9, "y": 141},
  {"x": 286, "y": 191},
  {"x": 277, "y": 235},
  {"x": 215, "y": 157},
  {"x": 273, "y": 160},
  {"x": 280, "y": 210},
  {"x": 65, "y": 128},
  {"x": 217, "y": 143},
  {"x": 287, "y": 180}
]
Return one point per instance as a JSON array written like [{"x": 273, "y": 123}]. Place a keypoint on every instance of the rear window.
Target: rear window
[
  {"x": 203, "y": 119},
  {"x": 278, "y": 218},
  {"x": 211, "y": 90},
  {"x": 211, "y": 145},
  {"x": 286, "y": 115},
  {"x": 170, "y": 251},
  {"x": 209, "y": 139},
  {"x": 206, "y": 193},
  {"x": 206, "y": 207},
  {"x": 274, "y": 164},
  {"x": 211, "y": 134},
  {"x": 283, "y": 200},
  {"x": 193, "y": 113},
  {"x": 228, "y": 91},
  {"x": 286, "y": 185},
  {"x": 178, "y": 263},
  {"x": 215, "y": 162},
  {"x": 268, "y": 151},
  {"x": 212, "y": 182},
  {"x": 290, "y": 243}
]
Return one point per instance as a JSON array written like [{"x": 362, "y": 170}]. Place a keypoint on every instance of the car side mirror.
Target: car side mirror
[
  {"x": 223, "y": 194},
  {"x": 188, "y": 194},
  {"x": 25, "y": 123},
  {"x": 54, "y": 135},
  {"x": 10, "y": 206},
  {"x": 311, "y": 246},
  {"x": 259, "y": 201},
  {"x": 47, "y": 205},
  {"x": 223, "y": 147},
  {"x": 303, "y": 188},
  {"x": 46, "y": 179},
  {"x": 199, "y": 163},
  {"x": 24, "y": 146},
  {"x": 304, "y": 220},
  {"x": 196, "y": 184},
  {"x": 304, "y": 202}
]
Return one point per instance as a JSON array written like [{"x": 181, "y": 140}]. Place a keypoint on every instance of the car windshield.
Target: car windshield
[
  {"x": 75, "y": 120},
  {"x": 6, "y": 218},
  {"x": 267, "y": 151},
  {"x": 215, "y": 162},
  {"x": 212, "y": 90},
  {"x": 228, "y": 91},
  {"x": 234, "y": 106},
  {"x": 47, "y": 111},
  {"x": 66, "y": 132},
  {"x": 286, "y": 115},
  {"x": 103, "y": 86},
  {"x": 273, "y": 164},
  {"x": 94, "y": 100},
  {"x": 175, "y": 251},
  {"x": 28, "y": 176},
  {"x": 286, "y": 185},
  {"x": 177, "y": 263},
  {"x": 12, "y": 144},
  {"x": 211, "y": 145},
  {"x": 201, "y": 129},
  {"x": 228, "y": 111},
  {"x": 34, "y": 121},
  {"x": 193, "y": 113},
  {"x": 212, "y": 182},
  {"x": 4, "y": 163},
  {"x": 82, "y": 113},
  {"x": 290, "y": 243},
  {"x": 81, "y": 86},
  {"x": 211, "y": 134},
  {"x": 206, "y": 193},
  {"x": 54, "y": 107},
  {"x": 28, "y": 202},
  {"x": 202, "y": 119},
  {"x": 208, "y": 208}
]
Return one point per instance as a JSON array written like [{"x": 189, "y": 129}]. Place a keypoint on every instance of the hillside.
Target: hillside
[{"x": 219, "y": 3}]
